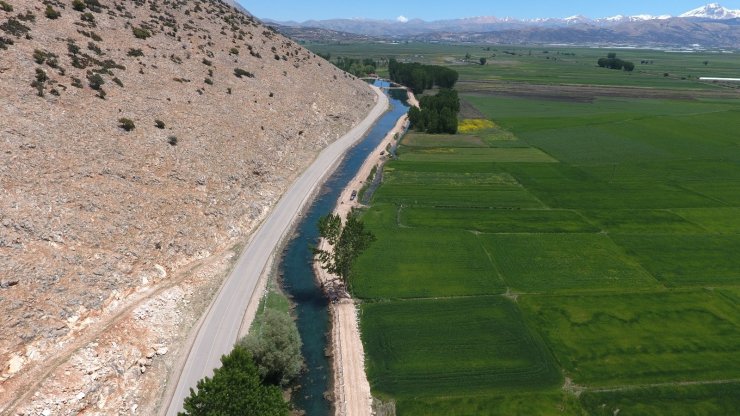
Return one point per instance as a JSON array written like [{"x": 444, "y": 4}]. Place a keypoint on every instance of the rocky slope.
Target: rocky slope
[{"x": 140, "y": 141}]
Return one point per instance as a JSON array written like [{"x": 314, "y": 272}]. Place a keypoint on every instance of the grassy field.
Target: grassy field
[
  {"x": 547, "y": 263},
  {"x": 406, "y": 263},
  {"x": 637, "y": 338},
  {"x": 709, "y": 399},
  {"x": 460, "y": 347},
  {"x": 575, "y": 255}
]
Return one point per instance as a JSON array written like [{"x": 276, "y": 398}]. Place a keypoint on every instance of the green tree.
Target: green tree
[
  {"x": 352, "y": 241},
  {"x": 235, "y": 390},
  {"x": 483, "y": 61},
  {"x": 276, "y": 348}
]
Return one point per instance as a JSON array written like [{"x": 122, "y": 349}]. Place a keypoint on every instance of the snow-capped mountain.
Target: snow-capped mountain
[
  {"x": 713, "y": 11},
  {"x": 710, "y": 25},
  {"x": 637, "y": 18}
]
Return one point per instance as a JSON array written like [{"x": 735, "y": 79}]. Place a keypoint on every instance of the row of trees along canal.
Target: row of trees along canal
[{"x": 437, "y": 113}]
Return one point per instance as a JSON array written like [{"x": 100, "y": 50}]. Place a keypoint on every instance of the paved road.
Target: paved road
[{"x": 219, "y": 330}]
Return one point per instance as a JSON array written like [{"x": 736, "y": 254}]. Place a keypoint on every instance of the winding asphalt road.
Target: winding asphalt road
[{"x": 219, "y": 329}]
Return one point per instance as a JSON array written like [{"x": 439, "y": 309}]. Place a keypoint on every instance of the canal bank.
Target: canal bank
[{"x": 302, "y": 285}]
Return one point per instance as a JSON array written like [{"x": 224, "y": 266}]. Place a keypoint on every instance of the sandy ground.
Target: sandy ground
[{"x": 351, "y": 387}]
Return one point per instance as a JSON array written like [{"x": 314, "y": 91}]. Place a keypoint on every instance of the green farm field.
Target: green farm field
[{"x": 580, "y": 257}]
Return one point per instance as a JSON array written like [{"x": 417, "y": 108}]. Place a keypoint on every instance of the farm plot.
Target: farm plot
[
  {"x": 447, "y": 189},
  {"x": 638, "y": 338},
  {"x": 675, "y": 400},
  {"x": 423, "y": 140},
  {"x": 452, "y": 347},
  {"x": 714, "y": 220},
  {"x": 497, "y": 220},
  {"x": 573, "y": 188},
  {"x": 492, "y": 154},
  {"x": 546, "y": 402},
  {"x": 548, "y": 263},
  {"x": 704, "y": 260},
  {"x": 642, "y": 221},
  {"x": 414, "y": 263}
]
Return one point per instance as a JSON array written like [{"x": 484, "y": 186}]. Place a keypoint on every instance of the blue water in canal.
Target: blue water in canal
[{"x": 299, "y": 281}]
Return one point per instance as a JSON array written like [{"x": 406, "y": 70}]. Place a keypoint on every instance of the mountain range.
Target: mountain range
[{"x": 708, "y": 26}]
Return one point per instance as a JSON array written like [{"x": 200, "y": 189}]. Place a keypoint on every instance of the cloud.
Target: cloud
[{"x": 402, "y": 19}]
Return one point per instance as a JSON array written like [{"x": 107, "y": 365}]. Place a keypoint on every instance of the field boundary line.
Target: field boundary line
[{"x": 654, "y": 385}]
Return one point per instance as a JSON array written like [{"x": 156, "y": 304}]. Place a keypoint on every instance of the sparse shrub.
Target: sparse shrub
[
  {"x": 172, "y": 140},
  {"x": 234, "y": 51},
  {"x": 241, "y": 73},
  {"x": 159, "y": 124},
  {"x": 73, "y": 49},
  {"x": 78, "y": 5},
  {"x": 208, "y": 81},
  {"x": 76, "y": 82},
  {"x": 13, "y": 27},
  {"x": 126, "y": 124},
  {"x": 95, "y": 80},
  {"x": 141, "y": 33},
  {"x": 5, "y": 6},
  {"x": 207, "y": 62},
  {"x": 118, "y": 82},
  {"x": 101, "y": 94},
  {"x": 135, "y": 52},
  {"x": 28, "y": 17},
  {"x": 4, "y": 42},
  {"x": 39, "y": 56},
  {"x": 50, "y": 13},
  {"x": 38, "y": 83},
  {"x": 94, "y": 5},
  {"x": 89, "y": 18},
  {"x": 95, "y": 48},
  {"x": 228, "y": 90}
]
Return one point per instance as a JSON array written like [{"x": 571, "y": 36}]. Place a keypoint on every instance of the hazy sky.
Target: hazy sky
[{"x": 300, "y": 10}]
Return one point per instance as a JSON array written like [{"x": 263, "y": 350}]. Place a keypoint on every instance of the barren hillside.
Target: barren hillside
[{"x": 140, "y": 141}]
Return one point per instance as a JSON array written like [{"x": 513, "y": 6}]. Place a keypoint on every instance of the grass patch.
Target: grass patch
[
  {"x": 714, "y": 220},
  {"x": 448, "y": 189},
  {"x": 687, "y": 260},
  {"x": 500, "y": 155},
  {"x": 632, "y": 339},
  {"x": 452, "y": 347},
  {"x": 497, "y": 220},
  {"x": 274, "y": 300},
  {"x": 416, "y": 139},
  {"x": 542, "y": 403},
  {"x": 641, "y": 221},
  {"x": 411, "y": 263},
  {"x": 676, "y": 400},
  {"x": 564, "y": 262}
]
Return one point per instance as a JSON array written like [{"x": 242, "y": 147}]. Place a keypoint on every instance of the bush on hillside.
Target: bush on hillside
[{"x": 126, "y": 124}]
